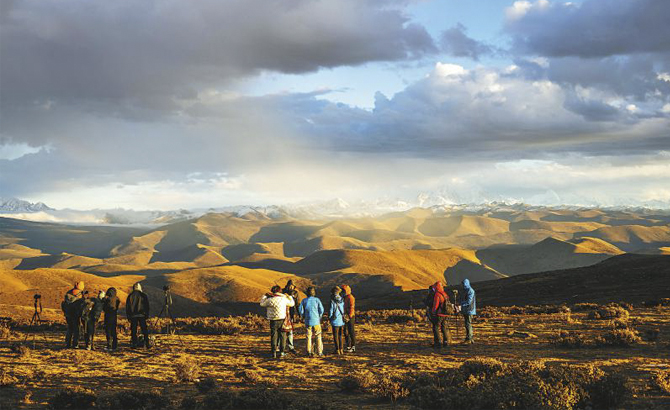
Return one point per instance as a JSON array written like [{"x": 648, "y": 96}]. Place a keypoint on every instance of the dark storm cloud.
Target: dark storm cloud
[
  {"x": 151, "y": 54},
  {"x": 455, "y": 42},
  {"x": 594, "y": 28}
]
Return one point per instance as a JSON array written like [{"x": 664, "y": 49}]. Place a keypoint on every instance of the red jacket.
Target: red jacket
[
  {"x": 349, "y": 301},
  {"x": 440, "y": 300}
]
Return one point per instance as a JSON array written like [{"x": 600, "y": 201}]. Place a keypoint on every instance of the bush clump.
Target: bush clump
[
  {"x": 358, "y": 381},
  {"x": 134, "y": 399},
  {"x": 609, "y": 312},
  {"x": 490, "y": 384},
  {"x": 186, "y": 370},
  {"x": 661, "y": 379},
  {"x": 206, "y": 385},
  {"x": 619, "y": 337},
  {"x": 73, "y": 398},
  {"x": 259, "y": 398},
  {"x": 7, "y": 379}
]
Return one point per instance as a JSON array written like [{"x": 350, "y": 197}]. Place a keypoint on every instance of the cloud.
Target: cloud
[
  {"x": 126, "y": 56},
  {"x": 591, "y": 29},
  {"x": 455, "y": 42}
]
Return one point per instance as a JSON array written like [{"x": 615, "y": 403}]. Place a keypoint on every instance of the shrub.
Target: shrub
[
  {"x": 21, "y": 350},
  {"x": 5, "y": 330},
  {"x": 609, "y": 391},
  {"x": 661, "y": 379},
  {"x": 205, "y": 385},
  {"x": 6, "y": 378},
  {"x": 134, "y": 399},
  {"x": 186, "y": 370},
  {"x": 619, "y": 337},
  {"x": 249, "y": 376},
  {"x": 390, "y": 387},
  {"x": 580, "y": 307},
  {"x": 571, "y": 340},
  {"x": 74, "y": 398},
  {"x": 620, "y": 324},
  {"x": 612, "y": 311},
  {"x": 488, "y": 384},
  {"x": 357, "y": 381}
]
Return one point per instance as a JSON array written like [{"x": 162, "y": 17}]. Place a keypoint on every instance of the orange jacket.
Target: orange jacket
[{"x": 349, "y": 301}]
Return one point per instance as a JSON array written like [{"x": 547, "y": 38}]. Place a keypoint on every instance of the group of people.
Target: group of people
[
  {"x": 439, "y": 308},
  {"x": 83, "y": 313},
  {"x": 284, "y": 309}
]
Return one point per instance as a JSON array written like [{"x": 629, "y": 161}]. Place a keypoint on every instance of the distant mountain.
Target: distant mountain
[{"x": 14, "y": 205}]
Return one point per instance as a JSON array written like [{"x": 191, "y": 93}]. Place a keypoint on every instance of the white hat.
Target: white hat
[{"x": 101, "y": 294}]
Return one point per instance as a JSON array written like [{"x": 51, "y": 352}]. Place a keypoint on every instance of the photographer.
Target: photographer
[
  {"x": 277, "y": 304},
  {"x": 137, "y": 312},
  {"x": 111, "y": 306},
  {"x": 91, "y": 319},
  {"x": 437, "y": 314},
  {"x": 72, "y": 307},
  {"x": 312, "y": 309}
]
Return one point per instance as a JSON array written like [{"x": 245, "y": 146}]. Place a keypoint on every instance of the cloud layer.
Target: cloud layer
[{"x": 134, "y": 97}]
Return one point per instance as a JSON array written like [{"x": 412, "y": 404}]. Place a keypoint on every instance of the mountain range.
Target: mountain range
[{"x": 222, "y": 261}]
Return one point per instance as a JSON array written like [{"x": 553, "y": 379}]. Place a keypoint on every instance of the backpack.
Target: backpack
[
  {"x": 70, "y": 303},
  {"x": 87, "y": 308}
]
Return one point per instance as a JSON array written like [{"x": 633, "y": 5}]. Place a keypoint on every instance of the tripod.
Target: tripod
[
  {"x": 404, "y": 326},
  {"x": 36, "y": 320},
  {"x": 167, "y": 314},
  {"x": 456, "y": 321}
]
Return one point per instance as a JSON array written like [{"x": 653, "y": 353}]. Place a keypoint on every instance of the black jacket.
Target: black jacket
[
  {"x": 96, "y": 311},
  {"x": 137, "y": 304},
  {"x": 111, "y": 303},
  {"x": 296, "y": 298}
]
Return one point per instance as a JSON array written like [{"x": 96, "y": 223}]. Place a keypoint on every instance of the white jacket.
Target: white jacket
[{"x": 276, "y": 305}]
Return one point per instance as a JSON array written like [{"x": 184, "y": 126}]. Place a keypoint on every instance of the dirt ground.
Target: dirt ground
[{"x": 241, "y": 361}]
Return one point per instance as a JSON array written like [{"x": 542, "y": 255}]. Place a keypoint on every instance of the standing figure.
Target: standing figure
[
  {"x": 276, "y": 304},
  {"x": 72, "y": 307},
  {"x": 91, "y": 319},
  {"x": 468, "y": 309},
  {"x": 349, "y": 320},
  {"x": 137, "y": 312},
  {"x": 111, "y": 307},
  {"x": 336, "y": 316},
  {"x": 291, "y": 291},
  {"x": 438, "y": 314},
  {"x": 311, "y": 309}
]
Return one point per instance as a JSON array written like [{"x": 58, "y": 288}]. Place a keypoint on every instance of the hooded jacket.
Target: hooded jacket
[
  {"x": 73, "y": 302},
  {"x": 469, "y": 301},
  {"x": 311, "y": 309},
  {"x": 336, "y": 311},
  {"x": 137, "y": 304},
  {"x": 111, "y": 303},
  {"x": 349, "y": 301},
  {"x": 276, "y": 305},
  {"x": 440, "y": 299}
]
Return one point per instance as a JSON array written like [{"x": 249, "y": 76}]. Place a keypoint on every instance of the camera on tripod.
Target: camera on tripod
[{"x": 37, "y": 296}]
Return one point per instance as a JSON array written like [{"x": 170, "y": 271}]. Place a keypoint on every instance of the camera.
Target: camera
[
  {"x": 37, "y": 296},
  {"x": 166, "y": 288}
]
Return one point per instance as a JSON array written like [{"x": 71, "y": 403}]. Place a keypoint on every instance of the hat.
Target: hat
[
  {"x": 137, "y": 286},
  {"x": 101, "y": 294},
  {"x": 80, "y": 285}
]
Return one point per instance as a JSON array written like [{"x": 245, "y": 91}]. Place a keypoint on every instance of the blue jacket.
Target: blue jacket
[
  {"x": 311, "y": 309},
  {"x": 469, "y": 301},
  {"x": 336, "y": 311}
]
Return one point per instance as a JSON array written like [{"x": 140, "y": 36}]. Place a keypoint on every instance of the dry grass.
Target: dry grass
[{"x": 235, "y": 369}]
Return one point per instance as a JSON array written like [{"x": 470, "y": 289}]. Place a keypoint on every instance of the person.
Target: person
[
  {"x": 438, "y": 315},
  {"x": 91, "y": 316},
  {"x": 111, "y": 307},
  {"x": 72, "y": 307},
  {"x": 276, "y": 304},
  {"x": 291, "y": 290},
  {"x": 468, "y": 307},
  {"x": 336, "y": 316},
  {"x": 137, "y": 312},
  {"x": 349, "y": 320},
  {"x": 311, "y": 309}
]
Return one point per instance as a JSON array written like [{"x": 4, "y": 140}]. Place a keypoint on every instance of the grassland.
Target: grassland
[{"x": 393, "y": 345}]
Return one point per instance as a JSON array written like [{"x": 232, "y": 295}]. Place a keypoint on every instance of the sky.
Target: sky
[{"x": 166, "y": 104}]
